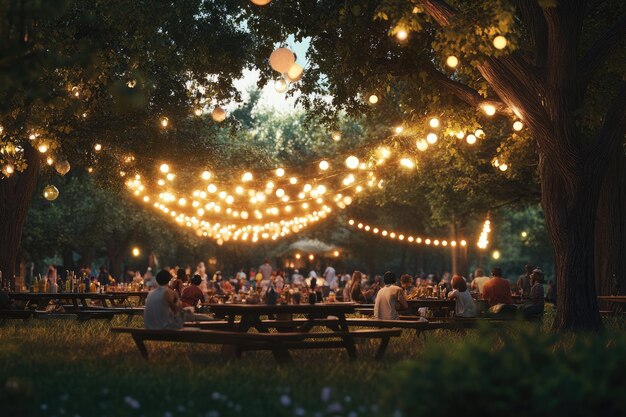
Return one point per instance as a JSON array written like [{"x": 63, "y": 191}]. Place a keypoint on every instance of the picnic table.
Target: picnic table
[
  {"x": 78, "y": 301},
  {"x": 443, "y": 307},
  {"x": 617, "y": 302},
  {"x": 251, "y": 314}
]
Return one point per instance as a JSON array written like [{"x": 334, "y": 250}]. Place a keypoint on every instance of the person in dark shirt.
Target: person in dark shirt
[
  {"x": 178, "y": 284},
  {"x": 497, "y": 290},
  {"x": 192, "y": 295},
  {"x": 523, "y": 282},
  {"x": 535, "y": 304}
]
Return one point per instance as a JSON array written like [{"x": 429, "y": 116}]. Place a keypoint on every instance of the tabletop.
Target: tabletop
[{"x": 326, "y": 308}]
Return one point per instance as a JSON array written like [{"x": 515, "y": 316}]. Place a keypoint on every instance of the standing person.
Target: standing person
[
  {"x": 497, "y": 290},
  {"x": 464, "y": 305},
  {"x": 265, "y": 270},
  {"x": 523, "y": 282},
  {"x": 479, "y": 280},
  {"x": 201, "y": 270},
  {"x": 331, "y": 276},
  {"x": 297, "y": 279},
  {"x": 162, "y": 310},
  {"x": 388, "y": 299}
]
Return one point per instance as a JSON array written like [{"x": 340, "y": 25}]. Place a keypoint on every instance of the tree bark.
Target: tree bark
[
  {"x": 570, "y": 214},
  {"x": 610, "y": 242},
  {"x": 16, "y": 194}
]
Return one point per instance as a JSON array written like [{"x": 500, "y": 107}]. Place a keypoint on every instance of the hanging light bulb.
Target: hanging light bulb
[
  {"x": 489, "y": 109},
  {"x": 373, "y": 99},
  {"x": 49, "y": 160},
  {"x": 324, "y": 165},
  {"x": 499, "y": 42},
  {"x": 402, "y": 35},
  {"x": 62, "y": 167},
  {"x": 471, "y": 139},
  {"x": 164, "y": 121},
  {"x": 295, "y": 73},
  {"x": 479, "y": 133},
  {"x": 198, "y": 111},
  {"x": 407, "y": 163},
  {"x": 431, "y": 138},
  {"x": 452, "y": 61},
  {"x": 517, "y": 126},
  {"x": 399, "y": 129},
  {"x": 218, "y": 114},
  {"x": 280, "y": 86},
  {"x": 336, "y": 135},
  {"x": 9, "y": 169},
  {"x": 50, "y": 192},
  {"x": 165, "y": 168},
  {"x": 352, "y": 162},
  {"x": 422, "y": 145},
  {"x": 282, "y": 59},
  {"x": 434, "y": 123},
  {"x": 206, "y": 175},
  {"x": 503, "y": 167},
  {"x": 43, "y": 148},
  {"x": 246, "y": 177},
  {"x": 280, "y": 172},
  {"x": 97, "y": 147}
]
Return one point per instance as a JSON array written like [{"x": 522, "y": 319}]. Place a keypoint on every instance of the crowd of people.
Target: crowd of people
[{"x": 179, "y": 294}]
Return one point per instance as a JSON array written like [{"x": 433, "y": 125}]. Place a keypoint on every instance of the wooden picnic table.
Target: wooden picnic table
[
  {"x": 443, "y": 306},
  {"x": 77, "y": 300},
  {"x": 617, "y": 301},
  {"x": 251, "y": 314}
]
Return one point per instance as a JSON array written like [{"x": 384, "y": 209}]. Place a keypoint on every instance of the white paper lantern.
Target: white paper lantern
[
  {"x": 282, "y": 59},
  {"x": 50, "y": 192},
  {"x": 62, "y": 167},
  {"x": 218, "y": 114},
  {"x": 280, "y": 86},
  {"x": 295, "y": 73},
  {"x": 499, "y": 42}
]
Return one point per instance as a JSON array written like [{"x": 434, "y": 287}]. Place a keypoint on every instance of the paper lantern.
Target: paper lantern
[
  {"x": 50, "y": 192},
  {"x": 261, "y": 2},
  {"x": 373, "y": 99},
  {"x": 295, "y": 73},
  {"x": 352, "y": 162},
  {"x": 218, "y": 114},
  {"x": 518, "y": 126},
  {"x": 499, "y": 42},
  {"x": 62, "y": 167},
  {"x": 282, "y": 59}
]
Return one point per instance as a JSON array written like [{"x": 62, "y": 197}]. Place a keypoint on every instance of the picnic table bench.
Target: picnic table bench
[{"x": 234, "y": 343}]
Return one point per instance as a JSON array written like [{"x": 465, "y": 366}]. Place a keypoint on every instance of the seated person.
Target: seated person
[
  {"x": 389, "y": 299},
  {"x": 162, "y": 310},
  {"x": 192, "y": 295},
  {"x": 535, "y": 303},
  {"x": 497, "y": 290},
  {"x": 479, "y": 280},
  {"x": 464, "y": 303},
  {"x": 356, "y": 292},
  {"x": 407, "y": 284}
]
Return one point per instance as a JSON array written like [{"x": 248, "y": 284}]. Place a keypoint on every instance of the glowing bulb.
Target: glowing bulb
[
  {"x": 43, "y": 148},
  {"x": 499, "y": 42},
  {"x": 97, "y": 147},
  {"x": 434, "y": 123},
  {"x": 503, "y": 167},
  {"x": 50, "y": 160},
  {"x": 280, "y": 192},
  {"x": 407, "y": 163},
  {"x": 336, "y": 136},
  {"x": 246, "y": 177},
  {"x": 280, "y": 172},
  {"x": 431, "y": 138},
  {"x": 471, "y": 139},
  {"x": 402, "y": 35},
  {"x": 518, "y": 126},
  {"x": 198, "y": 111},
  {"x": 170, "y": 177},
  {"x": 479, "y": 133},
  {"x": 373, "y": 99},
  {"x": 165, "y": 121},
  {"x": 293, "y": 180},
  {"x": 218, "y": 114},
  {"x": 352, "y": 162},
  {"x": 182, "y": 202},
  {"x": 489, "y": 109},
  {"x": 399, "y": 129},
  {"x": 164, "y": 168},
  {"x": 495, "y": 254},
  {"x": 460, "y": 135},
  {"x": 524, "y": 234},
  {"x": 9, "y": 169},
  {"x": 324, "y": 165},
  {"x": 211, "y": 188},
  {"x": 422, "y": 145},
  {"x": 452, "y": 61},
  {"x": 280, "y": 86},
  {"x": 206, "y": 175}
]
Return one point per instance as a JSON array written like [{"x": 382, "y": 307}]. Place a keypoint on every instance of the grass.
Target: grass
[{"x": 65, "y": 368}]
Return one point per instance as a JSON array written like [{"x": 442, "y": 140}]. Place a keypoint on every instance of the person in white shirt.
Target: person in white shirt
[
  {"x": 479, "y": 280},
  {"x": 331, "y": 278},
  {"x": 388, "y": 299},
  {"x": 266, "y": 270},
  {"x": 464, "y": 303},
  {"x": 297, "y": 279},
  {"x": 201, "y": 270}
]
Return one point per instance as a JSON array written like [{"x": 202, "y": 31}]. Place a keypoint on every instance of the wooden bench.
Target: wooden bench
[
  {"x": 234, "y": 343},
  {"x": 412, "y": 322},
  {"x": 15, "y": 314},
  {"x": 294, "y": 325}
]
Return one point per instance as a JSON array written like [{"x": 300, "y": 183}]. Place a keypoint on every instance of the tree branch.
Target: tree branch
[
  {"x": 533, "y": 19},
  {"x": 439, "y": 10},
  {"x": 600, "y": 50}
]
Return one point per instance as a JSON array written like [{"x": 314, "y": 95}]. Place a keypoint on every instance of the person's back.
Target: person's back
[
  {"x": 158, "y": 312},
  {"x": 497, "y": 290},
  {"x": 266, "y": 270},
  {"x": 464, "y": 305},
  {"x": 388, "y": 299}
]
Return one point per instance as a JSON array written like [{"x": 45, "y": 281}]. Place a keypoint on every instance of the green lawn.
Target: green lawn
[{"x": 65, "y": 368}]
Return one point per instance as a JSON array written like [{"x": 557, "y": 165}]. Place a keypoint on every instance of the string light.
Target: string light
[
  {"x": 402, "y": 35},
  {"x": 499, "y": 42},
  {"x": 489, "y": 109},
  {"x": 373, "y": 99},
  {"x": 517, "y": 125},
  {"x": 434, "y": 123},
  {"x": 324, "y": 165},
  {"x": 431, "y": 138},
  {"x": 402, "y": 236},
  {"x": 336, "y": 136},
  {"x": 452, "y": 61},
  {"x": 483, "y": 240}
]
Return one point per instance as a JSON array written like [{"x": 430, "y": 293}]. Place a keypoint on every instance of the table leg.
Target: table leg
[
  {"x": 382, "y": 348},
  {"x": 141, "y": 346},
  {"x": 281, "y": 355}
]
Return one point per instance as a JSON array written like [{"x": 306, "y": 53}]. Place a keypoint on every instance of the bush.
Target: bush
[{"x": 517, "y": 373}]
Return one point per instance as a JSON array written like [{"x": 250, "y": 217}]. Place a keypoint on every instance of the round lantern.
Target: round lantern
[
  {"x": 62, "y": 167},
  {"x": 261, "y": 2},
  {"x": 295, "y": 73},
  {"x": 282, "y": 59},
  {"x": 50, "y": 192},
  {"x": 218, "y": 114},
  {"x": 280, "y": 86}
]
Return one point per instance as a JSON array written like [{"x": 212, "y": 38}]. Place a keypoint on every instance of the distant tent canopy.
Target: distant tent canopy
[{"x": 311, "y": 246}]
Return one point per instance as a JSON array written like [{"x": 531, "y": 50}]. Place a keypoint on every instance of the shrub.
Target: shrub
[{"x": 515, "y": 373}]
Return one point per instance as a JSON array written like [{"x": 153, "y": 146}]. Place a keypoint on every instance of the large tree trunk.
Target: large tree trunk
[
  {"x": 16, "y": 194},
  {"x": 610, "y": 242},
  {"x": 570, "y": 206}
]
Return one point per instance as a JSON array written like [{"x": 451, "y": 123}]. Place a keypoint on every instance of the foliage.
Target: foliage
[{"x": 518, "y": 373}]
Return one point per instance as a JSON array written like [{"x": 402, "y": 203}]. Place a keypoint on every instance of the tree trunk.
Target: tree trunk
[
  {"x": 16, "y": 194},
  {"x": 610, "y": 242},
  {"x": 570, "y": 205}
]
